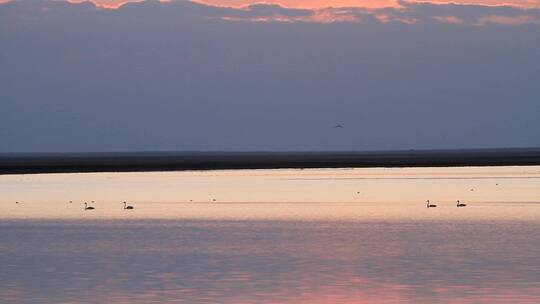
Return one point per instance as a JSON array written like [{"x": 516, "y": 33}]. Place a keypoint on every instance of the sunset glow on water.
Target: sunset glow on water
[
  {"x": 273, "y": 236},
  {"x": 315, "y": 194}
]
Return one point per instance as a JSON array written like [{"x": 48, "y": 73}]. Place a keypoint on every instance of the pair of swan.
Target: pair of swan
[
  {"x": 126, "y": 206},
  {"x": 431, "y": 205}
]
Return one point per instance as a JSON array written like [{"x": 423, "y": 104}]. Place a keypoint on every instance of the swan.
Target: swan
[
  {"x": 430, "y": 205},
  {"x": 126, "y": 207},
  {"x": 88, "y": 208},
  {"x": 460, "y": 204}
]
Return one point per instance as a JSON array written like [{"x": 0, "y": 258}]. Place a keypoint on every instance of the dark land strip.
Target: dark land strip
[{"x": 21, "y": 163}]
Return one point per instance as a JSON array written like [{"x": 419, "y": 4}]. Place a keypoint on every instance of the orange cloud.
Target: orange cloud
[
  {"x": 314, "y": 4},
  {"x": 318, "y": 4},
  {"x": 407, "y": 11},
  {"x": 308, "y": 4},
  {"x": 516, "y": 3}
]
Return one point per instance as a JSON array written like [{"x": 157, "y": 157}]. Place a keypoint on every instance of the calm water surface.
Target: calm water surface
[{"x": 273, "y": 236}]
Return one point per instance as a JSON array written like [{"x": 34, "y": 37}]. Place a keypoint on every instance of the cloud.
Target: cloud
[
  {"x": 406, "y": 12},
  {"x": 321, "y": 4},
  {"x": 449, "y": 19},
  {"x": 263, "y": 9},
  {"x": 508, "y": 20},
  {"x": 465, "y": 14},
  {"x": 276, "y": 13}
]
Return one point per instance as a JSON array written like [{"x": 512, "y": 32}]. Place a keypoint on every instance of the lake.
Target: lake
[{"x": 273, "y": 236}]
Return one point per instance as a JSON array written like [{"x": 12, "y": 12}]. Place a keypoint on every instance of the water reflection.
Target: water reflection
[{"x": 269, "y": 262}]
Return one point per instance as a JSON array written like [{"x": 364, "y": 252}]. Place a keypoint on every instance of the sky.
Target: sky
[{"x": 186, "y": 76}]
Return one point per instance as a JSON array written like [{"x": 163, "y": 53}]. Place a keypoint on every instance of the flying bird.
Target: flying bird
[{"x": 338, "y": 126}]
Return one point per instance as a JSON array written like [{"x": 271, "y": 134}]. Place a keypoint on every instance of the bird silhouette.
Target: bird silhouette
[
  {"x": 460, "y": 204},
  {"x": 430, "y": 205},
  {"x": 126, "y": 207},
  {"x": 86, "y": 207}
]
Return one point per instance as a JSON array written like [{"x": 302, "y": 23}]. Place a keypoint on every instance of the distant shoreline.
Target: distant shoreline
[{"x": 28, "y": 163}]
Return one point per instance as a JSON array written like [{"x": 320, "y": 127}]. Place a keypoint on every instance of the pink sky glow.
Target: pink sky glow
[{"x": 317, "y": 4}]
